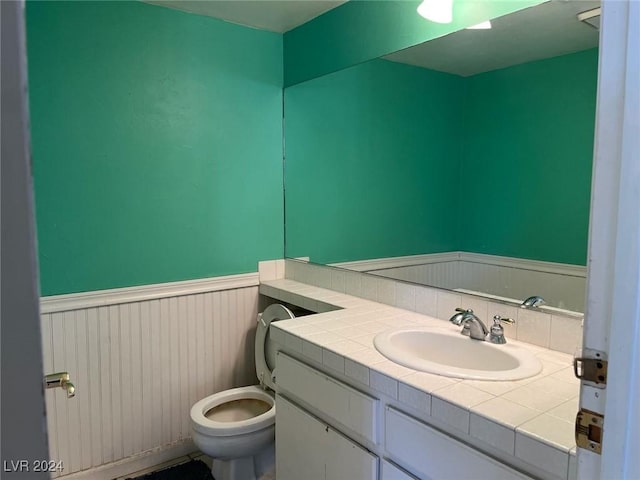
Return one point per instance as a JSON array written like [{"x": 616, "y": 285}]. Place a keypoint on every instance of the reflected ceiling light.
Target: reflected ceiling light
[
  {"x": 481, "y": 26},
  {"x": 439, "y": 11},
  {"x": 592, "y": 17}
]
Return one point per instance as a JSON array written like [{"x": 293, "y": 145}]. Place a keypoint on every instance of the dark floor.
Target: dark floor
[{"x": 192, "y": 470}]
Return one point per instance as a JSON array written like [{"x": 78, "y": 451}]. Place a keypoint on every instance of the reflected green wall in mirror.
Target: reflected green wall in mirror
[
  {"x": 528, "y": 157},
  {"x": 385, "y": 160},
  {"x": 360, "y": 30},
  {"x": 372, "y": 154}
]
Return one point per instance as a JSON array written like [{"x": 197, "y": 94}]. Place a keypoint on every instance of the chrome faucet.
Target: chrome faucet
[
  {"x": 472, "y": 326},
  {"x": 532, "y": 302},
  {"x": 458, "y": 318}
]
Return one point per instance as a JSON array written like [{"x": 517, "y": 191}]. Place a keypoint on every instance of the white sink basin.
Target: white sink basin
[{"x": 446, "y": 352}]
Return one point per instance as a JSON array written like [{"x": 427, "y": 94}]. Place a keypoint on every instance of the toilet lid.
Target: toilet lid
[{"x": 265, "y": 353}]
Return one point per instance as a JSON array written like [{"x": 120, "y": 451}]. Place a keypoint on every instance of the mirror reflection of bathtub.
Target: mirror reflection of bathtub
[{"x": 505, "y": 279}]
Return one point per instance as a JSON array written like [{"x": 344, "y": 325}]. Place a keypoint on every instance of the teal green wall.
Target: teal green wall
[
  {"x": 372, "y": 163},
  {"x": 528, "y": 157},
  {"x": 385, "y": 160},
  {"x": 157, "y": 144},
  {"x": 362, "y": 30}
]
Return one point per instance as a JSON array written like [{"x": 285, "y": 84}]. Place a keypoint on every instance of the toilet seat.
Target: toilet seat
[
  {"x": 229, "y": 427},
  {"x": 210, "y": 427},
  {"x": 265, "y": 354},
  {"x": 265, "y": 363}
]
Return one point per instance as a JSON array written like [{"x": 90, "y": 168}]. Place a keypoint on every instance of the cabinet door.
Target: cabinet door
[
  {"x": 391, "y": 472},
  {"x": 430, "y": 454},
  {"x": 300, "y": 444},
  {"x": 307, "y": 448}
]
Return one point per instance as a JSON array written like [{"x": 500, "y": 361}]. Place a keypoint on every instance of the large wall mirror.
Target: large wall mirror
[{"x": 461, "y": 163}]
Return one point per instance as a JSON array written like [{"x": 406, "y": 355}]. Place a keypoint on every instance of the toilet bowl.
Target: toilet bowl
[{"x": 236, "y": 427}]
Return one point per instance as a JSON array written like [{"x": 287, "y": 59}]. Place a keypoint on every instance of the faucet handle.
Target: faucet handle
[
  {"x": 459, "y": 317},
  {"x": 497, "y": 320},
  {"x": 496, "y": 334}
]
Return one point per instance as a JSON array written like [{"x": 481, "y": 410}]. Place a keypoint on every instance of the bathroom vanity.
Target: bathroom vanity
[{"x": 345, "y": 411}]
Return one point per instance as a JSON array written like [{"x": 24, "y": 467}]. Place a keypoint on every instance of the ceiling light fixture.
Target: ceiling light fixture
[
  {"x": 481, "y": 26},
  {"x": 439, "y": 11}
]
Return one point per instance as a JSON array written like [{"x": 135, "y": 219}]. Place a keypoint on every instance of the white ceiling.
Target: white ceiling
[
  {"x": 543, "y": 31},
  {"x": 273, "y": 15}
]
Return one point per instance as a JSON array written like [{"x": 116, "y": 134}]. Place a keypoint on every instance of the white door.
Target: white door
[
  {"x": 24, "y": 436},
  {"x": 612, "y": 318}
]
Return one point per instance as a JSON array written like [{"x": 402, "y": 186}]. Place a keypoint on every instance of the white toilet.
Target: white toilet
[{"x": 236, "y": 427}]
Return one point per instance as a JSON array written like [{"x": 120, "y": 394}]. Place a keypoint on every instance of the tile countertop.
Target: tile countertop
[{"x": 531, "y": 419}]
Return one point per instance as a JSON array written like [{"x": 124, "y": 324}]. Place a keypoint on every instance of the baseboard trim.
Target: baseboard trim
[
  {"x": 116, "y": 296},
  {"x": 133, "y": 464}
]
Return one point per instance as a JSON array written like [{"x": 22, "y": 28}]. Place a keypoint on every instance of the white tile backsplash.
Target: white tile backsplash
[
  {"x": 479, "y": 306},
  {"x": 505, "y": 311},
  {"x": 338, "y": 280},
  {"x": 369, "y": 287},
  {"x": 319, "y": 275},
  {"x": 566, "y": 334},
  {"x": 387, "y": 291},
  {"x": 426, "y": 301},
  {"x": 267, "y": 270},
  {"x": 558, "y": 332},
  {"x": 447, "y": 303},
  {"x": 406, "y": 296},
  {"x": 533, "y": 327},
  {"x": 353, "y": 283}
]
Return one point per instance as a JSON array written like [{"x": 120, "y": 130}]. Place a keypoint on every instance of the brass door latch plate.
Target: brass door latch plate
[
  {"x": 589, "y": 426},
  {"x": 591, "y": 370}
]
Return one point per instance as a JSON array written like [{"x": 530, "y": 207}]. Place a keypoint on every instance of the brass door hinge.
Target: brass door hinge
[
  {"x": 589, "y": 430},
  {"x": 591, "y": 370}
]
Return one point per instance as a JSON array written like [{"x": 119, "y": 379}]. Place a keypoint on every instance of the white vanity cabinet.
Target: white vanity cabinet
[
  {"x": 309, "y": 449},
  {"x": 322, "y": 423}
]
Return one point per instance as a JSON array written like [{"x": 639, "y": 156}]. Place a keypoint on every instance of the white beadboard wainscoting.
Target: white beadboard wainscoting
[
  {"x": 140, "y": 357},
  {"x": 561, "y": 285}
]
